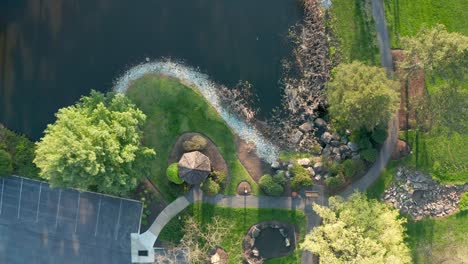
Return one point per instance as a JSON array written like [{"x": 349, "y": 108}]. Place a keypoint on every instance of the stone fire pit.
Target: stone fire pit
[{"x": 268, "y": 240}]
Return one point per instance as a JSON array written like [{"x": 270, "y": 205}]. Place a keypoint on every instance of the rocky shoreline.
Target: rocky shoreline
[{"x": 419, "y": 196}]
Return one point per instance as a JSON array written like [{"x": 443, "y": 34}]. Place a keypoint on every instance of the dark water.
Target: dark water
[{"x": 54, "y": 51}]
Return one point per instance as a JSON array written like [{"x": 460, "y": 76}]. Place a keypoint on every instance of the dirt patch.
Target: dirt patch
[
  {"x": 211, "y": 151},
  {"x": 414, "y": 88},
  {"x": 254, "y": 165}
]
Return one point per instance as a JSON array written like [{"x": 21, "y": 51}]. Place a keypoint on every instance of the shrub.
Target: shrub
[
  {"x": 219, "y": 177},
  {"x": 369, "y": 154},
  {"x": 172, "y": 174},
  {"x": 280, "y": 178},
  {"x": 352, "y": 168},
  {"x": 23, "y": 158},
  {"x": 379, "y": 135},
  {"x": 210, "y": 187},
  {"x": 197, "y": 142},
  {"x": 301, "y": 177},
  {"x": 270, "y": 186},
  {"x": 334, "y": 183},
  {"x": 463, "y": 205},
  {"x": 6, "y": 165},
  {"x": 335, "y": 168}
]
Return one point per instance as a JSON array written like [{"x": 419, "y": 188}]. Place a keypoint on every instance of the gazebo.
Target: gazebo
[{"x": 194, "y": 167}]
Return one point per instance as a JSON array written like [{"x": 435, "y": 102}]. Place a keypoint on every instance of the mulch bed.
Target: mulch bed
[
  {"x": 211, "y": 151},
  {"x": 249, "y": 159}
]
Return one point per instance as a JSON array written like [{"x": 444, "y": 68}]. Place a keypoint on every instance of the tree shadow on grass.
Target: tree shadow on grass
[{"x": 364, "y": 45}]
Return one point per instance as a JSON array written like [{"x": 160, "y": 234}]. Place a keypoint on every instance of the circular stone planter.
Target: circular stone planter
[{"x": 268, "y": 240}]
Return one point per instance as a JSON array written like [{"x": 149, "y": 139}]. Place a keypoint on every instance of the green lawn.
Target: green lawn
[
  {"x": 439, "y": 241},
  {"x": 383, "y": 182},
  {"x": 242, "y": 220},
  {"x": 444, "y": 157},
  {"x": 353, "y": 23},
  {"x": 172, "y": 109},
  {"x": 405, "y": 17}
]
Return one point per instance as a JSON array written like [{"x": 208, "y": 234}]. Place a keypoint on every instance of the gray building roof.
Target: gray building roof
[{"x": 40, "y": 225}]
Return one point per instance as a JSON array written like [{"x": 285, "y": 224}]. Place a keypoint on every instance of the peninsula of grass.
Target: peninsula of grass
[
  {"x": 354, "y": 27},
  {"x": 172, "y": 109},
  {"x": 241, "y": 220},
  {"x": 406, "y": 17}
]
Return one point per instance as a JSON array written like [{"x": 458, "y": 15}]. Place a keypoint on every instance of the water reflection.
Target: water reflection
[{"x": 53, "y": 51}]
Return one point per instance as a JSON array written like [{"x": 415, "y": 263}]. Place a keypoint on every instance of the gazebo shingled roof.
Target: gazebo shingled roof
[{"x": 194, "y": 167}]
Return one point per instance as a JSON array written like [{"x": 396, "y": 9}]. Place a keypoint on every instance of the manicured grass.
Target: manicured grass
[
  {"x": 405, "y": 17},
  {"x": 444, "y": 157},
  {"x": 384, "y": 181},
  {"x": 172, "y": 109},
  {"x": 439, "y": 240},
  {"x": 242, "y": 219},
  {"x": 353, "y": 23}
]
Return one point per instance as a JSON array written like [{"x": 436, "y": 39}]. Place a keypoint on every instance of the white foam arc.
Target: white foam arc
[{"x": 194, "y": 78}]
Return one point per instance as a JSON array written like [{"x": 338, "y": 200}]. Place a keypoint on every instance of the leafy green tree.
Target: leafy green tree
[
  {"x": 95, "y": 144},
  {"x": 6, "y": 164},
  {"x": 437, "y": 52},
  {"x": 172, "y": 173},
  {"x": 358, "y": 231},
  {"x": 361, "y": 96}
]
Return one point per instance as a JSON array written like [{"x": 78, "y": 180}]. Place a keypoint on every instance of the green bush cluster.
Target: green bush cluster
[
  {"x": 272, "y": 185},
  {"x": 197, "y": 142},
  {"x": 6, "y": 164},
  {"x": 301, "y": 177},
  {"x": 172, "y": 173},
  {"x": 353, "y": 168},
  {"x": 21, "y": 153},
  {"x": 211, "y": 187},
  {"x": 219, "y": 177},
  {"x": 463, "y": 205},
  {"x": 335, "y": 183},
  {"x": 369, "y": 154}
]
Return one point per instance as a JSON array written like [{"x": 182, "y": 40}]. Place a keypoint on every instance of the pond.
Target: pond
[{"x": 54, "y": 51}]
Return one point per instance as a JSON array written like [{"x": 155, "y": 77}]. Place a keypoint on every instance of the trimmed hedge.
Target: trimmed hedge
[
  {"x": 197, "y": 142},
  {"x": 172, "y": 174}
]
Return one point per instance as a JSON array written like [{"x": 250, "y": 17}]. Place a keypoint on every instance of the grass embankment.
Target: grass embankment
[
  {"x": 172, "y": 109},
  {"x": 406, "y": 17},
  {"x": 241, "y": 220},
  {"x": 354, "y": 26},
  {"x": 439, "y": 240}
]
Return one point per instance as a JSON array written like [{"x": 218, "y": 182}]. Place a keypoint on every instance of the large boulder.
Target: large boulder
[
  {"x": 296, "y": 137},
  {"x": 303, "y": 162},
  {"x": 326, "y": 138},
  {"x": 306, "y": 127},
  {"x": 401, "y": 150}
]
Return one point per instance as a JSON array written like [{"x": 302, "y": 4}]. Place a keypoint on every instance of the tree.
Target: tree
[
  {"x": 358, "y": 231},
  {"x": 361, "y": 96},
  {"x": 441, "y": 55},
  {"x": 95, "y": 144},
  {"x": 436, "y": 51},
  {"x": 6, "y": 164}
]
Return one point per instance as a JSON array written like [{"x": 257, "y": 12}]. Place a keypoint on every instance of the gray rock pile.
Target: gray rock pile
[{"x": 418, "y": 195}]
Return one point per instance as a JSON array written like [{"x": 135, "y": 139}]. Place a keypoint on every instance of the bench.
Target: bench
[{"x": 311, "y": 194}]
